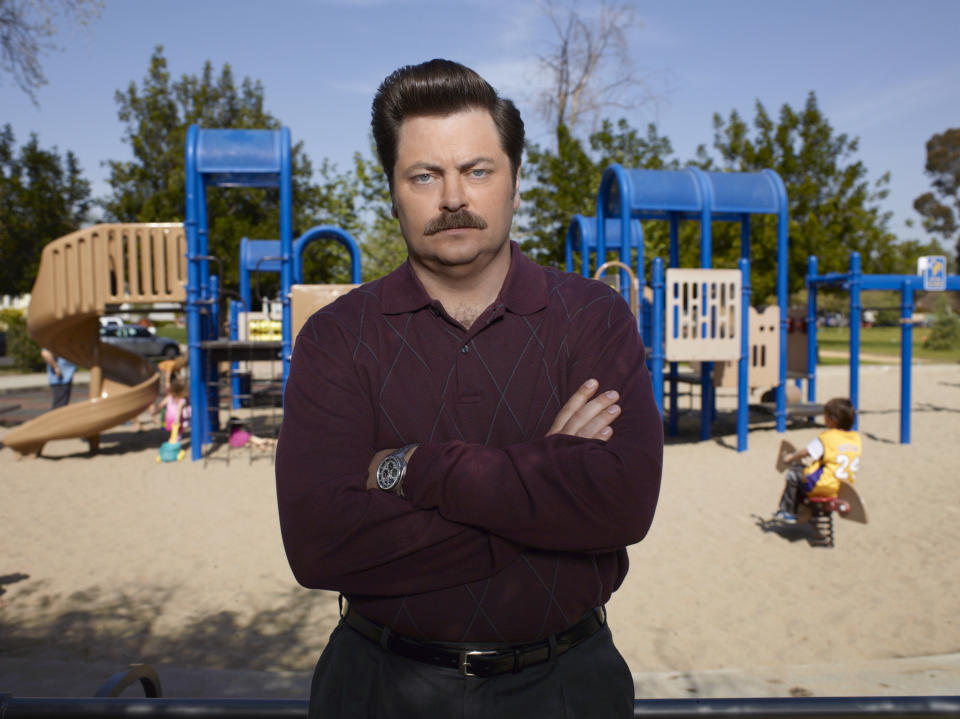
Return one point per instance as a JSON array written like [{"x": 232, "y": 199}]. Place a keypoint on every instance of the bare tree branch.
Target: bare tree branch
[
  {"x": 589, "y": 64},
  {"x": 26, "y": 31}
]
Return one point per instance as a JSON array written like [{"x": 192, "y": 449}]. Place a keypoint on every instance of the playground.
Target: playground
[
  {"x": 112, "y": 559},
  {"x": 119, "y": 558}
]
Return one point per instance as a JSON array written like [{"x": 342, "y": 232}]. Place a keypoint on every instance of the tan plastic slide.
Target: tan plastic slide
[{"x": 80, "y": 275}]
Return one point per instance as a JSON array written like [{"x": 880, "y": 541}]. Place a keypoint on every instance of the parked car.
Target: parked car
[
  {"x": 140, "y": 340},
  {"x": 111, "y": 321}
]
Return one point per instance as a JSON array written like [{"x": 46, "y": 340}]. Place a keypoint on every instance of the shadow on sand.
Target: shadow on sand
[{"x": 124, "y": 627}]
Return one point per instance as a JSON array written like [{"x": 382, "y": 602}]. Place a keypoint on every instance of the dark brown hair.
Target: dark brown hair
[
  {"x": 841, "y": 410},
  {"x": 440, "y": 87}
]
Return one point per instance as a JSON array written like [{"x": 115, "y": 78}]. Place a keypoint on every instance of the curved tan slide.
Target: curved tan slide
[{"x": 80, "y": 275}]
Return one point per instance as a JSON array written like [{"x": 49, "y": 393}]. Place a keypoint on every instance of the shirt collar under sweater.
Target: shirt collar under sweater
[{"x": 524, "y": 290}]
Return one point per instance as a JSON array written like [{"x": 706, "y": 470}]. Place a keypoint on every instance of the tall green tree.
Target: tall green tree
[
  {"x": 151, "y": 186},
  {"x": 43, "y": 195},
  {"x": 940, "y": 208},
  {"x": 381, "y": 241},
  {"x": 833, "y": 207}
]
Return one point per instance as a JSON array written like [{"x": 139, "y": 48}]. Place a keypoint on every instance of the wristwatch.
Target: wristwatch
[{"x": 392, "y": 470}]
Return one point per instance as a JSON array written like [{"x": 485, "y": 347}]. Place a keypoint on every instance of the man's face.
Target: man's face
[{"x": 453, "y": 191}]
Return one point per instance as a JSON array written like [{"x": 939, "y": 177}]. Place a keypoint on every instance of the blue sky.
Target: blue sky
[{"x": 886, "y": 72}]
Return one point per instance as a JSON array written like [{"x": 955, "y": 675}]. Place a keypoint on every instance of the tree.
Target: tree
[
  {"x": 565, "y": 182},
  {"x": 940, "y": 209},
  {"x": 42, "y": 196},
  {"x": 383, "y": 245},
  {"x": 589, "y": 67},
  {"x": 151, "y": 187},
  {"x": 833, "y": 208},
  {"x": 26, "y": 32}
]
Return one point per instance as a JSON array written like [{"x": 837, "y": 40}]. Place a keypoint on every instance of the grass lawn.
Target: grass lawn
[
  {"x": 882, "y": 340},
  {"x": 170, "y": 329}
]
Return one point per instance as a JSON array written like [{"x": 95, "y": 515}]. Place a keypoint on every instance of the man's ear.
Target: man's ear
[
  {"x": 516, "y": 192},
  {"x": 393, "y": 210}
]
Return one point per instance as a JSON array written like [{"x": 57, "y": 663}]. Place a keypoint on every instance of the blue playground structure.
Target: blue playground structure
[
  {"x": 625, "y": 198},
  {"x": 933, "y": 278},
  {"x": 239, "y": 158},
  {"x": 260, "y": 256}
]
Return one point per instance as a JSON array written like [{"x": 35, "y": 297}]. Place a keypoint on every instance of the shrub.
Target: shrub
[
  {"x": 944, "y": 333},
  {"x": 888, "y": 317},
  {"x": 24, "y": 352}
]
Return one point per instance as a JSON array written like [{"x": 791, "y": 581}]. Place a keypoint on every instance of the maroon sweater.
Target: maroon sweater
[{"x": 504, "y": 534}]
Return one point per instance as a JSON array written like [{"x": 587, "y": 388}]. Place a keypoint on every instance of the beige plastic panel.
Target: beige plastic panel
[
  {"x": 703, "y": 315},
  {"x": 307, "y": 299},
  {"x": 763, "y": 366}
]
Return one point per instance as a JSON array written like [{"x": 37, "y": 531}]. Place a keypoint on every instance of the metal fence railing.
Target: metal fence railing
[
  {"x": 108, "y": 704},
  {"x": 779, "y": 708}
]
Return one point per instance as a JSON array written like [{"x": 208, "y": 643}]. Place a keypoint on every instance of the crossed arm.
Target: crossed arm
[
  {"x": 589, "y": 484},
  {"x": 584, "y": 415}
]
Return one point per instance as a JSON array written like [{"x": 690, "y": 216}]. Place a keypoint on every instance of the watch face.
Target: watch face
[{"x": 389, "y": 472}]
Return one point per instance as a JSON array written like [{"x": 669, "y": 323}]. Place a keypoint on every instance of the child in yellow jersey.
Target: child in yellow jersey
[{"x": 836, "y": 457}]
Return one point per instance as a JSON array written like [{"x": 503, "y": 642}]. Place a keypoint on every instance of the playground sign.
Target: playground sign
[{"x": 933, "y": 270}]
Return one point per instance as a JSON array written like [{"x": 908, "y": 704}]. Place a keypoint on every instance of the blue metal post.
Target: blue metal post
[
  {"x": 244, "y": 277},
  {"x": 811, "y": 329},
  {"x": 674, "y": 366},
  {"x": 856, "y": 278},
  {"x": 707, "y": 395},
  {"x": 286, "y": 246},
  {"x": 656, "y": 344},
  {"x": 214, "y": 307},
  {"x": 234, "y": 329},
  {"x": 783, "y": 263},
  {"x": 210, "y": 418},
  {"x": 743, "y": 368},
  {"x": 906, "y": 359},
  {"x": 193, "y": 189}
]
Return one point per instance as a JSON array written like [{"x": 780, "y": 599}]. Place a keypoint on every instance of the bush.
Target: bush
[
  {"x": 24, "y": 352},
  {"x": 888, "y": 318},
  {"x": 944, "y": 333}
]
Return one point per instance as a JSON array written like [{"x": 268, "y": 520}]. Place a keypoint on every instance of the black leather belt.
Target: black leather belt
[{"x": 473, "y": 660}]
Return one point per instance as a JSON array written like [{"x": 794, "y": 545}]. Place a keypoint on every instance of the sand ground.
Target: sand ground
[{"x": 111, "y": 559}]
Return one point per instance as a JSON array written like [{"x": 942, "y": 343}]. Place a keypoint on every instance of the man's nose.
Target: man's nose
[{"x": 454, "y": 194}]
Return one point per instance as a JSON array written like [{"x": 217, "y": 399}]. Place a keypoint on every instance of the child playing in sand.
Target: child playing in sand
[
  {"x": 835, "y": 456},
  {"x": 174, "y": 405}
]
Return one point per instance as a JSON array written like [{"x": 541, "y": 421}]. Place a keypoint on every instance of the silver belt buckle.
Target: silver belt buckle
[{"x": 465, "y": 659}]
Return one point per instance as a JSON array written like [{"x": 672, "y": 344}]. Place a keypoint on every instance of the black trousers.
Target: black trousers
[{"x": 357, "y": 678}]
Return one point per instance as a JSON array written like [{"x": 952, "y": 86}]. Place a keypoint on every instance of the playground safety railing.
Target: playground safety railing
[{"x": 781, "y": 708}]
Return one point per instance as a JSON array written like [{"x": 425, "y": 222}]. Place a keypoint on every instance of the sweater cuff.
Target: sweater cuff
[{"x": 420, "y": 485}]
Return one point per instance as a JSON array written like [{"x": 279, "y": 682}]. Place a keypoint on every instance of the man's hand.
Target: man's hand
[
  {"x": 588, "y": 418},
  {"x": 374, "y": 465}
]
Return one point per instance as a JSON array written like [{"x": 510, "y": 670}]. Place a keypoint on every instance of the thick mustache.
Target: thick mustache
[{"x": 454, "y": 221}]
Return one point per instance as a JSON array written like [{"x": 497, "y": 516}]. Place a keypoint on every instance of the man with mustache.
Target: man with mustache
[{"x": 469, "y": 443}]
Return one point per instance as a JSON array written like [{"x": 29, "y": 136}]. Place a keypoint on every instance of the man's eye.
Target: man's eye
[
  {"x": 479, "y": 173},
  {"x": 422, "y": 179}
]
